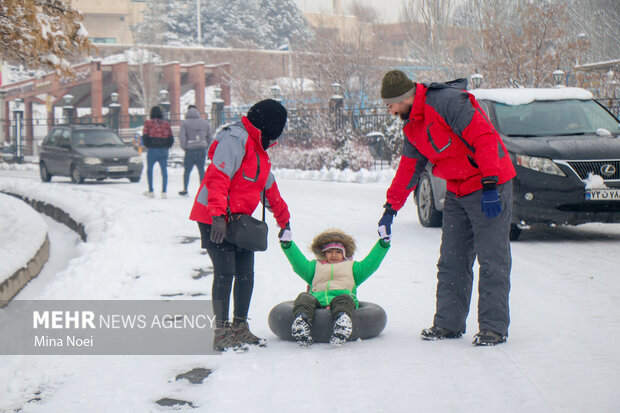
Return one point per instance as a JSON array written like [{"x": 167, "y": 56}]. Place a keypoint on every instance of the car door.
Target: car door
[
  {"x": 64, "y": 153},
  {"x": 50, "y": 153}
]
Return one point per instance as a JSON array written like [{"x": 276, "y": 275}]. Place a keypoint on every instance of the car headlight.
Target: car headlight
[
  {"x": 544, "y": 165},
  {"x": 135, "y": 159},
  {"x": 92, "y": 161}
]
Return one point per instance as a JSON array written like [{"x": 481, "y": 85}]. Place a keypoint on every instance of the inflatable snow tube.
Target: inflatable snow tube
[{"x": 369, "y": 320}]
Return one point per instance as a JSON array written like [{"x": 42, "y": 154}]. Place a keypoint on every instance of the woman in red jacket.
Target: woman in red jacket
[{"x": 234, "y": 183}]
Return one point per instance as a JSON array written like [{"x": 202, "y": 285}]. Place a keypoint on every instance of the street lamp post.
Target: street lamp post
[
  {"x": 68, "y": 108},
  {"x": 164, "y": 103},
  {"x": 336, "y": 102},
  {"x": 18, "y": 130},
  {"x": 476, "y": 80},
  {"x": 558, "y": 76},
  {"x": 2, "y": 120},
  {"x": 115, "y": 109},
  {"x": 276, "y": 93},
  {"x": 217, "y": 108}
]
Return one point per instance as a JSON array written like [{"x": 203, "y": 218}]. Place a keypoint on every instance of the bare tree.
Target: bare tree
[
  {"x": 145, "y": 81},
  {"x": 428, "y": 22}
]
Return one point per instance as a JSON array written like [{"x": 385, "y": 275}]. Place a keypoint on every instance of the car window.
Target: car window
[
  {"x": 95, "y": 138},
  {"x": 65, "y": 138},
  {"x": 554, "y": 118},
  {"x": 53, "y": 138}
]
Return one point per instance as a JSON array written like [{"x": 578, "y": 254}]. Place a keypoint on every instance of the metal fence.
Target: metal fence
[{"x": 22, "y": 137}]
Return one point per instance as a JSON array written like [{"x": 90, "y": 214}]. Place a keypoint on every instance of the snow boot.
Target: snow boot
[
  {"x": 224, "y": 339},
  {"x": 301, "y": 330},
  {"x": 242, "y": 332},
  {"x": 343, "y": 327},
  {"x": 439, "y": 333},
  {"x": 488, "y": 338}
]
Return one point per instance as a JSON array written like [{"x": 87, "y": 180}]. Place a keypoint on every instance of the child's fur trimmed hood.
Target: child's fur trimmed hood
[{"x": 333, "y": 235}]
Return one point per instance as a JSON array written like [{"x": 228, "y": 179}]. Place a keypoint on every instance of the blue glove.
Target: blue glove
[
  {"x": 490, "y": 201},
  {"x": 385, "y": 223}
]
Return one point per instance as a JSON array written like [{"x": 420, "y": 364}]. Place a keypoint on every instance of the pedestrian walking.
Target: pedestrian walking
[
  {"x": 157, "y": 138},
  {"x": 195, "y": 136}
]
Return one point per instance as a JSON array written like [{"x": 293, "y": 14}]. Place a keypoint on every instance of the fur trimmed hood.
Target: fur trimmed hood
[{"x": 333, "y": 235}]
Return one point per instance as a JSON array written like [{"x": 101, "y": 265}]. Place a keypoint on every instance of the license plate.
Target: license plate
[
  {"x": 603, "y": 194},
  {"x": 116, "y": 169}
]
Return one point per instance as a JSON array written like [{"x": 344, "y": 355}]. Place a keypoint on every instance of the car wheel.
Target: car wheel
[
  {"x": 427, "y": 214},
  {"x": 76, "y": 176},
  {"x": 515, "y": 231},
  {"x": 134, "y": 179},
  {"x": 45, "y": 175}
]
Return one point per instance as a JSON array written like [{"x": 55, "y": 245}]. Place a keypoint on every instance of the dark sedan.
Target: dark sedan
[
  {"x": 566, "y": 150},
  {"x": 87, "y": 151}
]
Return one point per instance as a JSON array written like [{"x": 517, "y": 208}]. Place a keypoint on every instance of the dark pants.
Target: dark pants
[
  {"x": 229, "y": 263},
  {"x": 306, "y": 303},
  {"x": 467, "y": 234},
  {"x": 160, "y": 156},
  {"x": 194, "y": 157}
]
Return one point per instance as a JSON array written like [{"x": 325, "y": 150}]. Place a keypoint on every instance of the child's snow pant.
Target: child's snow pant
[{"x": 307, "y": 303}]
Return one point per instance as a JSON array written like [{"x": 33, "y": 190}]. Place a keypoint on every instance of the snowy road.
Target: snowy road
[{"x": 561, "y": 355}]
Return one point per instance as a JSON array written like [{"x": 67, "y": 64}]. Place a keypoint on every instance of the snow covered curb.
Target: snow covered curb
[
  {"x": 24, "y": 248},
  {"x": 53, "y": 212}
]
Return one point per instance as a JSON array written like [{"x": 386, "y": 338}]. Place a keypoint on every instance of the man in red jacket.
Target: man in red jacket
[
  {"x": 235, "y": 182},
  {"x": 444, "y": 125}
]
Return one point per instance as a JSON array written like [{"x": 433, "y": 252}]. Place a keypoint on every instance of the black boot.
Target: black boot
[{"x": 439, "y": 333}]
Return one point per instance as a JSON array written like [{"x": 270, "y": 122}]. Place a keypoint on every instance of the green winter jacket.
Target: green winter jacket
[{"x": 328, "y": 281}]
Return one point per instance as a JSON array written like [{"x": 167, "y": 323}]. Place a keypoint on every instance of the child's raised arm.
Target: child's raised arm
[
  {"x": 302, "y": 267},
  {"x": 364, "y": 268}
]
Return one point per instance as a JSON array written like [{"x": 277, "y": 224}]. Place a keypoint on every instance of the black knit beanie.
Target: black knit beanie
[
  {"x": 396, "y": 87},
  {"x": 269, "y": 117}
]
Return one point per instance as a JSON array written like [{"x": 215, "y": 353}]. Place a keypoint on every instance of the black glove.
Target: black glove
[
  {"x": 385, "y": 223},
  {"x": 285, "y": 234},
  {"x": 218, "y": 230}
]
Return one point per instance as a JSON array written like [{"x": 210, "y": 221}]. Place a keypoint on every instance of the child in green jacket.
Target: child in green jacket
[{"x": 333, "y": 278}]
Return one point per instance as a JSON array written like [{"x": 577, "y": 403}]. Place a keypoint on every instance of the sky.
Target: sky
[{"x": 389, "y": 9}]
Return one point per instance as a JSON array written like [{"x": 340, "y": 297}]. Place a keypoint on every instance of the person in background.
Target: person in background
[
  {"x": 195, "y": 136},
  {"x": 444, "y": 125},
  {"x": 238, "y": 177},
  {"x": 157, "y": 138}
]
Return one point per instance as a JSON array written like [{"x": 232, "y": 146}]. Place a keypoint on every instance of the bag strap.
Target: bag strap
[{"x": 263, "y": 205}]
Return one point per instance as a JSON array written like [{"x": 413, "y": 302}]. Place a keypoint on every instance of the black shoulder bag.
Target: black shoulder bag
[{"x": 247, "y": 232}]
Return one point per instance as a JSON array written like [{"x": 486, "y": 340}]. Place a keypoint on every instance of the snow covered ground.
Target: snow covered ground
[
  {"x": 561, "y": 355},
  {"x": 23, "y": 232}
]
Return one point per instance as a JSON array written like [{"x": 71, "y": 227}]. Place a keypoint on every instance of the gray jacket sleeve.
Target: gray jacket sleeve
[{"x": 183, "y": 136}]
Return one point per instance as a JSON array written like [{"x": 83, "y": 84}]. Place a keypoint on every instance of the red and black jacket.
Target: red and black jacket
[
  {"x": 157, "y": 133},
  {"x": 238, "y": 174},
  {"x": 447, "y": 127}
]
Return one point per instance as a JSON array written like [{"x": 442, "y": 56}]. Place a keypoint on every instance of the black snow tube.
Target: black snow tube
[{"x": 368, "y": 321}]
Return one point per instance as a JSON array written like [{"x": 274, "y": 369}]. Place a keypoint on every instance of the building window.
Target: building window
[{"x": 103, "y": 39}]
